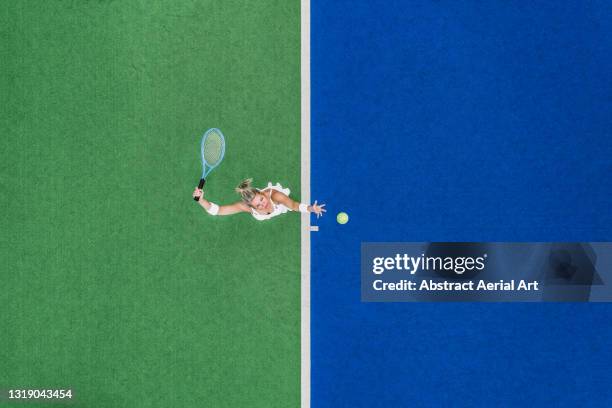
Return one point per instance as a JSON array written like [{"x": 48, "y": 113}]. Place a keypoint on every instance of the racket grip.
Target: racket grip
[{"x": 200, "y": 186}]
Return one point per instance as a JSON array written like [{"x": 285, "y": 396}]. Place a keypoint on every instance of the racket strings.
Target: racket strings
[{"x": 212, "y": 148}]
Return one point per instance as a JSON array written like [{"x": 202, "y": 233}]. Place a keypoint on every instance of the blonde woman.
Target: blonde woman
[{"x": 262, "y": 204}]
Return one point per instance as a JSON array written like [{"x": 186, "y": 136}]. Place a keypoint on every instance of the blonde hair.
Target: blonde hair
[{"x": 247, "y": 191}]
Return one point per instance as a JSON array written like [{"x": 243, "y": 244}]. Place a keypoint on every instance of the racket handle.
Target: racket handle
[{"x": 200, "y": 186}]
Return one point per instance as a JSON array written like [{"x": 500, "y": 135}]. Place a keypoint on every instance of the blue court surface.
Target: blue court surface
[{"x": 458, "y": 121}]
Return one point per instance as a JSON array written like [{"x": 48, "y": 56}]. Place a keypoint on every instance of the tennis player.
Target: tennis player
[{"x": 263, "y": 204}]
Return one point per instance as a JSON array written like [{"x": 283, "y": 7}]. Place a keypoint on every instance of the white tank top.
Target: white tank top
[{"x": 277, "y": 209}]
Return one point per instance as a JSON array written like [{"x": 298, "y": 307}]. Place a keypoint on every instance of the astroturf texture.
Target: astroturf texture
[{"x": 114, "y": 282}]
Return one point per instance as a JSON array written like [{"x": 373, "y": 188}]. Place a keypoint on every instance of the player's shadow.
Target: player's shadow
[{"x": 570, "y": 273}]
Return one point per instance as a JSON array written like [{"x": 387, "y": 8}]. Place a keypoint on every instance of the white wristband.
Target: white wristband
[
  {"x": 303, "y": 207},
  {"x": 213, "y": 209}
]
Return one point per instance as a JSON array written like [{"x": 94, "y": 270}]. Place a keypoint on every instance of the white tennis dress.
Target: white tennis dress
[{"x": 277, "y": 209}]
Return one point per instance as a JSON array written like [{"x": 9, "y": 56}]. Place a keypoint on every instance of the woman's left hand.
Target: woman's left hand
[{"x": 318, "y": 209}]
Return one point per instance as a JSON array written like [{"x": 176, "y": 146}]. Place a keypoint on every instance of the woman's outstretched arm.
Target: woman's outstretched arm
[
  {"x": 285, "y": 200},
  {"x": 215, "y": 209}
]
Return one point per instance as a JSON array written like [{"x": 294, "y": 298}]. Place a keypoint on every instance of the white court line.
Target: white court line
[{"x": 305, "y": 198}]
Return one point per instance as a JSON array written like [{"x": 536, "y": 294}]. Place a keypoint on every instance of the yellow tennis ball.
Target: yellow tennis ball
[{"x": 342, "y": 218}]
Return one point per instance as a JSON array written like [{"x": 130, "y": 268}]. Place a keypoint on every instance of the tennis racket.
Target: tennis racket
[{"x": 212, "y": 150}]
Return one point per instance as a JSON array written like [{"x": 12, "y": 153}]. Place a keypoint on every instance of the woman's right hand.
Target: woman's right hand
[{"x": 198, "y": 193}]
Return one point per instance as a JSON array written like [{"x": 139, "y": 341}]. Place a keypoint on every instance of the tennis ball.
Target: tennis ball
[{"x": 342, "y": 218}]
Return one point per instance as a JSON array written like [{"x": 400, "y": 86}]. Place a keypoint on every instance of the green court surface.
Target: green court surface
[{"x": 113, "y": 281}]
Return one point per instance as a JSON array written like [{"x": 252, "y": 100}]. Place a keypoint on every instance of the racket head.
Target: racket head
[{"x": 212, "y": 150}]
